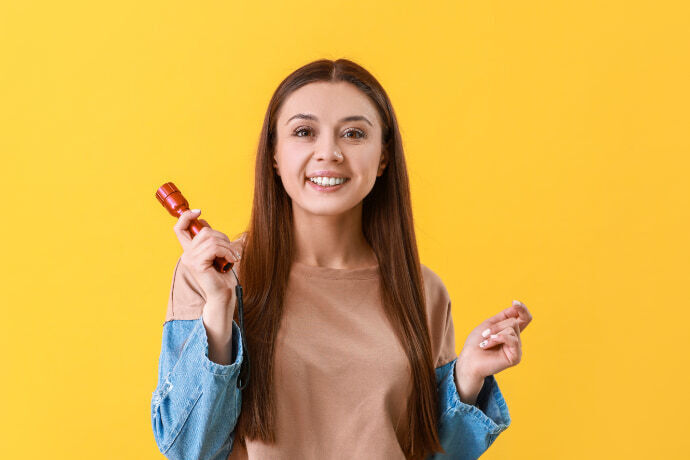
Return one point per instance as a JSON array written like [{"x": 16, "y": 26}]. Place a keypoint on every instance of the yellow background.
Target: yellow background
[{"x": 547, "y": 145}]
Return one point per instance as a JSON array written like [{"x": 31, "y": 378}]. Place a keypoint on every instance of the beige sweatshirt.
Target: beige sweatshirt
[{"x": 341, "y": 374}]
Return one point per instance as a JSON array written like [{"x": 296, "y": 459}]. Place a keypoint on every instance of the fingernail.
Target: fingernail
[
  {"x": 516, "y": 303},
  {"x": 486, "y": 332},
  {"x": 493, "y": 336},
  {"x": 196, "y": 210},
  {"x": 483, "y": 344}
]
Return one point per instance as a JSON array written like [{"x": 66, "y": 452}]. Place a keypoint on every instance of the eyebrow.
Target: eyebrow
[{"x": 308, "y": 116}]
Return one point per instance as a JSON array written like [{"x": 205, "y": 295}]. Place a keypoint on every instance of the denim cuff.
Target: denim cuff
[
  {"x": 191, "y": 385},
  {"x": 490, "y": 410},
  {"x": 237, "y": 352}
]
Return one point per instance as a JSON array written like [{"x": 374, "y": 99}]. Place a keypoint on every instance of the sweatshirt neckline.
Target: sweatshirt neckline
[{"x": 313, "y": 271}]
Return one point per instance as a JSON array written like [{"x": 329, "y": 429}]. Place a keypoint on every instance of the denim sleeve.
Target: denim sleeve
[
  {"x": 466, "y": 431},
  {"x": 196, "y": 403}
]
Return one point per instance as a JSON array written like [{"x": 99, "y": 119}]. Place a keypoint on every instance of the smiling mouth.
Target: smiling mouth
[{"x": 327, "y": 182}]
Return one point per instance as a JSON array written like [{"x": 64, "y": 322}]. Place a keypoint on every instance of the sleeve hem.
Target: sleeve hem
[
  {"x": 188, "y": 379},
  {"x": 495, "y": 417},
  {"x": 237, "y": 351}
]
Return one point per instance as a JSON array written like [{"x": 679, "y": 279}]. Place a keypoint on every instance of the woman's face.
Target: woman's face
[{"x": 328, "y": 130}]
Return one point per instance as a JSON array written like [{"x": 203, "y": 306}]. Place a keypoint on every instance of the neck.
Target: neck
[{"x": 334, "y": 241}]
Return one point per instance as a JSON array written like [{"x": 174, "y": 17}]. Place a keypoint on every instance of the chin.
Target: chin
[
  {"x": 334, "y": 208},
  {"x": 326, "y": 210}
]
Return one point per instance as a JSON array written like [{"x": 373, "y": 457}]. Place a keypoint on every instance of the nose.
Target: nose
[{"x": 328, "y": 150}]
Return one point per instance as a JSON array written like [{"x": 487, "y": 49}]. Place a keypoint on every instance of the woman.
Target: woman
[{"x": 350, "y": 337}]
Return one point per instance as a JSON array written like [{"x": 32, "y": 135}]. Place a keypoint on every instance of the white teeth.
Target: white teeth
[{"x": 327, "y": 181}]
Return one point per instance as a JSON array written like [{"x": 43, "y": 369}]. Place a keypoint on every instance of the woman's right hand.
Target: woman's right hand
[{"x": 200, "y": 251}]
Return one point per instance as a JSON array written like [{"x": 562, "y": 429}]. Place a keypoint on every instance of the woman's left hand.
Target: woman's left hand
[{"x": 491, "y": 347}]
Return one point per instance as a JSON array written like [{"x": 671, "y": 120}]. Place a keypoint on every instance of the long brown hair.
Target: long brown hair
[{"x": 388, "y": 228}]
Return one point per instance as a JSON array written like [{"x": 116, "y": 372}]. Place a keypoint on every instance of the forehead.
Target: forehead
[{"x": 329, "y": 102}]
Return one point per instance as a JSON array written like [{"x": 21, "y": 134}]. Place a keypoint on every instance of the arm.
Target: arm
[
  {"x": 466, "y": 431},
  {"x": 472, "y": 412},
  {"x": 196, "y": 403},
  {"x": 468, "y": 386}
]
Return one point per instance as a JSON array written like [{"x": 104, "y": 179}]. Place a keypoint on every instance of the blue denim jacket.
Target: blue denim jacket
[{"x": 196, "y": 403}]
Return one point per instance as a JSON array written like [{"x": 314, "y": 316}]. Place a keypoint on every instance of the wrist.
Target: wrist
[
  {"x": 219, "y": 312},
  {"x": 469, "y": 384},
  {"x": 219, "y": 301}
]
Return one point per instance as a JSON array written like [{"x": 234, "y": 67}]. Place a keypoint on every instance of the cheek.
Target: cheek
[
  {"x": 368, "y": 164},
  {"x": 285, "y": 157},
  {"x": 290, "y": 161}
]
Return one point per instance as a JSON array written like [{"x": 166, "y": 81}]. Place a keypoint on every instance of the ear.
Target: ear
[
  {"x": 275, "y": 165},
  {"x": 383, "y": 163}
]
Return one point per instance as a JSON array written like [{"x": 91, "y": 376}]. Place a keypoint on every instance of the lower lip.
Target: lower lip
[{"x": 326, "y": 189}]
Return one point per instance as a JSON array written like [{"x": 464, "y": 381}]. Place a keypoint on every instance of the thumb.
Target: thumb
[{"x": 182, "y": 226}]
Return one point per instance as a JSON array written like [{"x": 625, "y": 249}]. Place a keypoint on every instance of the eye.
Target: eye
[
  {"x": 299, "y": 130},
  {"x": 361, "y": 133}
]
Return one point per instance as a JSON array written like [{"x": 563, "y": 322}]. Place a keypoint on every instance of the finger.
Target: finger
[
  {"x": 208, "y": 249},
  {"x": 489, "y": 342},
  {"x": 211, "y": 241},
  {"x": 224, "y": 237},
  {"x": 204, "y": 235},
  {"x": 495, "y": 328},
  {"x": 510, "y": 347},
  {"x": 214, "y": 232},
  {"x": 208, "y": 237},
  {"x": 224, "y": 251},
  {"x": 506, "y": 336},
  {"x": 182, "y": 227},
  {"x": 511, "y": 331},
  {"x": 220, "y": 236},
  {"x": 208, "y": 233},
  {"x": 518, "y": 311},
  {"x": 236, "y": 252}
]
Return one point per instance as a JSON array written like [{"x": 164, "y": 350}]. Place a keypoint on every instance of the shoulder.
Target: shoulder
[
  {"x": 436, "y": 292},
  {"x": 439, "y": 317},
  {"x": 186, "y": 298}
]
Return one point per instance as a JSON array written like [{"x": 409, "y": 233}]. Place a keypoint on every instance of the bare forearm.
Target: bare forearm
[
  {"x": 217, "y": 319},
  {"x": 468, "y": 386}
]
